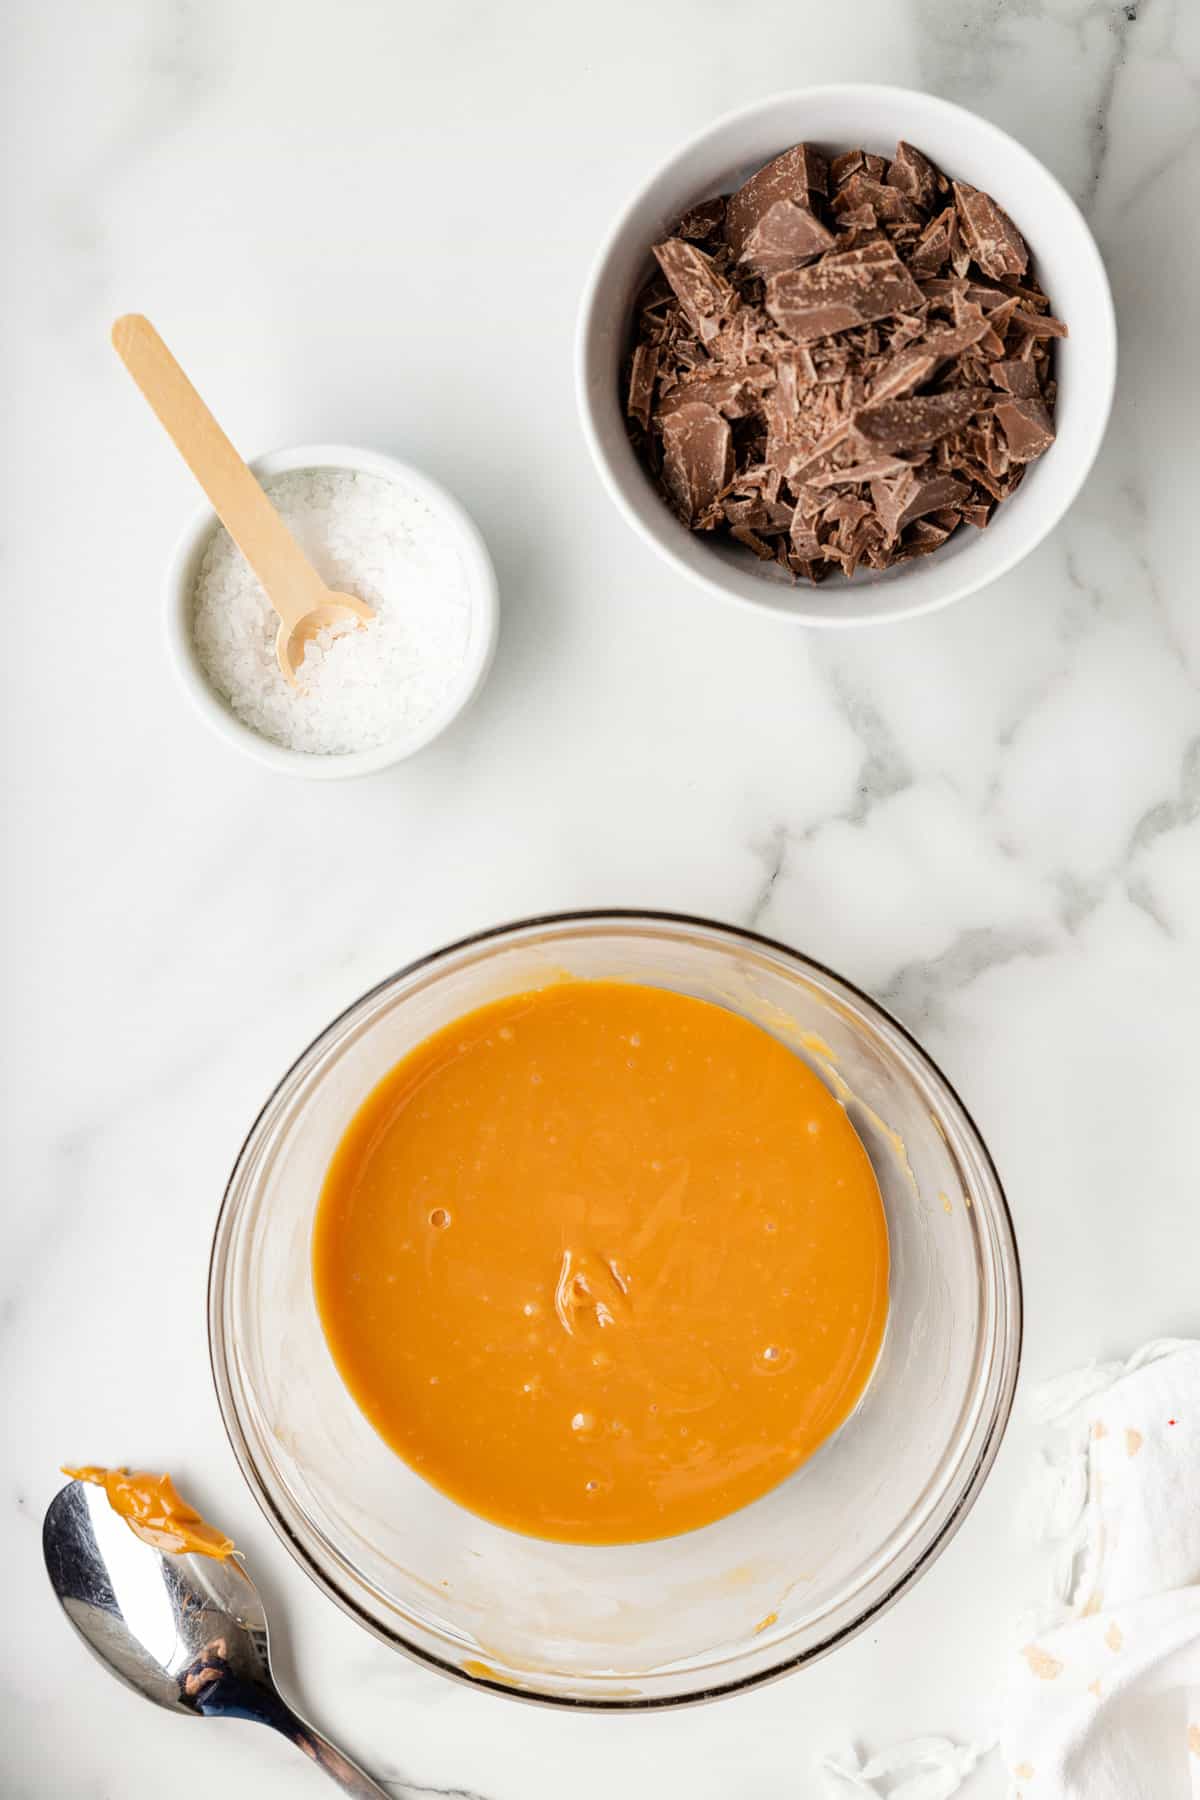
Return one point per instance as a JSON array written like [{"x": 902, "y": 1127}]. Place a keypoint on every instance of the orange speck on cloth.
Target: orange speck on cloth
[{"x": 1043, "y": 1665}]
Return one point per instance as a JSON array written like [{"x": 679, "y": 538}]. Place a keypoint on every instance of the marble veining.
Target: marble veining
[{"x": 371, "y": 223}]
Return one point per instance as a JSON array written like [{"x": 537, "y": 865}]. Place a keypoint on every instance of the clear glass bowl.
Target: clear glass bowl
[{"x": 765, "y": 1590}]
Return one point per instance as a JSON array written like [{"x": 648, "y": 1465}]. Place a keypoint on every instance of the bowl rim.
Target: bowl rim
[
  {"x": 973, "y": 1476},
  {"x": 483, "y": 598},
  {"x": 1103, "y": 377}
]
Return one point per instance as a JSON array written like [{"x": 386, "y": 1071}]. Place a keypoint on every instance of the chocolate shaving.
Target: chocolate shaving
[
  {"x": 642, "y": 372},
  {"x": 842, "y": 362}
]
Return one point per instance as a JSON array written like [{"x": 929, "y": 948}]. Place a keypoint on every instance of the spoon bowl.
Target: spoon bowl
[
  {"x": 338, "y": 613},
  {"x": 186, "y": 1631}
]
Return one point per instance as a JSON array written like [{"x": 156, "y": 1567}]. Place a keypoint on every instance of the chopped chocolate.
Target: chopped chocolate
[
  {"x": 915, "y": 176},
  {"x": 697, "y": 458},
  {"x": 844, "y": 289},
  {"x": 705, "y": 297},
  {"x": 785, "y": 236},
  {"x": 1039, "y": 324},
  {"x": 933, "y": 247},
  {"x": 907, "y": 496},
  {"x": 796, "y": 175},
  {"x": 857, "y": 225},
  {"x": 752, "y": 541},
  {"x": 904, "y": 373},
  {"x": 842, "y": 167},
  {"x": 885, "y": 203},
  {"x": 641, "y": 383},
  {"x": 842, "y": 362},
  {"x": 1018, "y": 375},
  {"x": 877, "y": 469},
  {"x": 736, "y": 395},
  {"x": 920, "y": 420},
  {"x": 704, "y": 221},
  {"x": 920, "y": 539},
  {"x": 1027, "y": 427},
  {"x": 990, "y": 235}
]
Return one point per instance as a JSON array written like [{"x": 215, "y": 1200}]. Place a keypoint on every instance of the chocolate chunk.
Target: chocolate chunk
[
  {"x": 703, "y": 221},
  {"x": 697, "y": 457},
  {"x": 784, "y": 237},
  {"x": 887, "y": 204},
  {"x": 973, "y": 330},
  {"x": 841, "y": 291},
  {"x": 1039, "y": 325},
  {"x": 798, "y": 173},
  {"x": 750, "y": 511},
  {"x": 855, "y": 223},
  {"x": 915, "y": 423},
  {"x": 903, "y": 374},
  {"x": 735, "y": 395},
  {"x": 915, "y": 176},
  {"x": 842, "y": 167},
  {"x": 705, "y": 297},
  {"x": 804, "y": 539},
  {"x": 934, "y": 245},
  {"x": 1017, "y": 374},
  {"x": 989, "y": 234},
  {"x": 815, "y": 463},
  {"x": 737, "y": 344},
  {"x": 920, "y": 540},
  {"x": 906, "y": 496},
  {"x": 1027, "y": 426},
  {"x": 744, "y": 535}
]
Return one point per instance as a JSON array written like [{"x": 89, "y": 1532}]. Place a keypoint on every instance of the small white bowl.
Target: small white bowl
[
  {"x": 965, "y": 148},
  {"x": 481, "y": 643}
]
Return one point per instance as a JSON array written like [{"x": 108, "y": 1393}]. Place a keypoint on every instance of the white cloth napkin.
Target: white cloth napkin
[{"x": 1104, "y": 1695}]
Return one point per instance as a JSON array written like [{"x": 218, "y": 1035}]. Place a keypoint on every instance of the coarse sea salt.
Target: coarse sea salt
[{"x": 362, "y": 687}]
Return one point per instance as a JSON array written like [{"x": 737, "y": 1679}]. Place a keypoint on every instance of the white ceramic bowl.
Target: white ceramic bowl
[
  {"x": 481, "y": 642},
  {"x": 965, "y": 147}
]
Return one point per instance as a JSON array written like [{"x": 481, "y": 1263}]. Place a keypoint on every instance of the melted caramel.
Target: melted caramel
[
  {"x": 602, "y": 1262},
  {"x": 154, "y": 1510}
]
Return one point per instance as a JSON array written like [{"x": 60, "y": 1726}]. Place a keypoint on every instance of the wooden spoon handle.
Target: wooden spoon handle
[{"x": 293, "y": 586}]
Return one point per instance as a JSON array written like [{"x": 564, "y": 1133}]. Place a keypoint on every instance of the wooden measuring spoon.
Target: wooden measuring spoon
[{"x": 304, "y": 604}]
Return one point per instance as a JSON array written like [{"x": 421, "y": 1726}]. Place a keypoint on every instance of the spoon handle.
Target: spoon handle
[
  {"x": 349, "y": 1777},
  {"x": 234, "y": 1696},
  {"x": 293, "y": 586}
]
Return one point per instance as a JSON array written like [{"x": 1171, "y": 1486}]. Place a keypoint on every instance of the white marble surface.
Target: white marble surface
[{"x": 991, "y": 819}]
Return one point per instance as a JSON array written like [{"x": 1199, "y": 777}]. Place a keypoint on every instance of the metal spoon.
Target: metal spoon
[
  {"x": 188, "y": 1632},
  {"x": 304, "y": 603}
]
